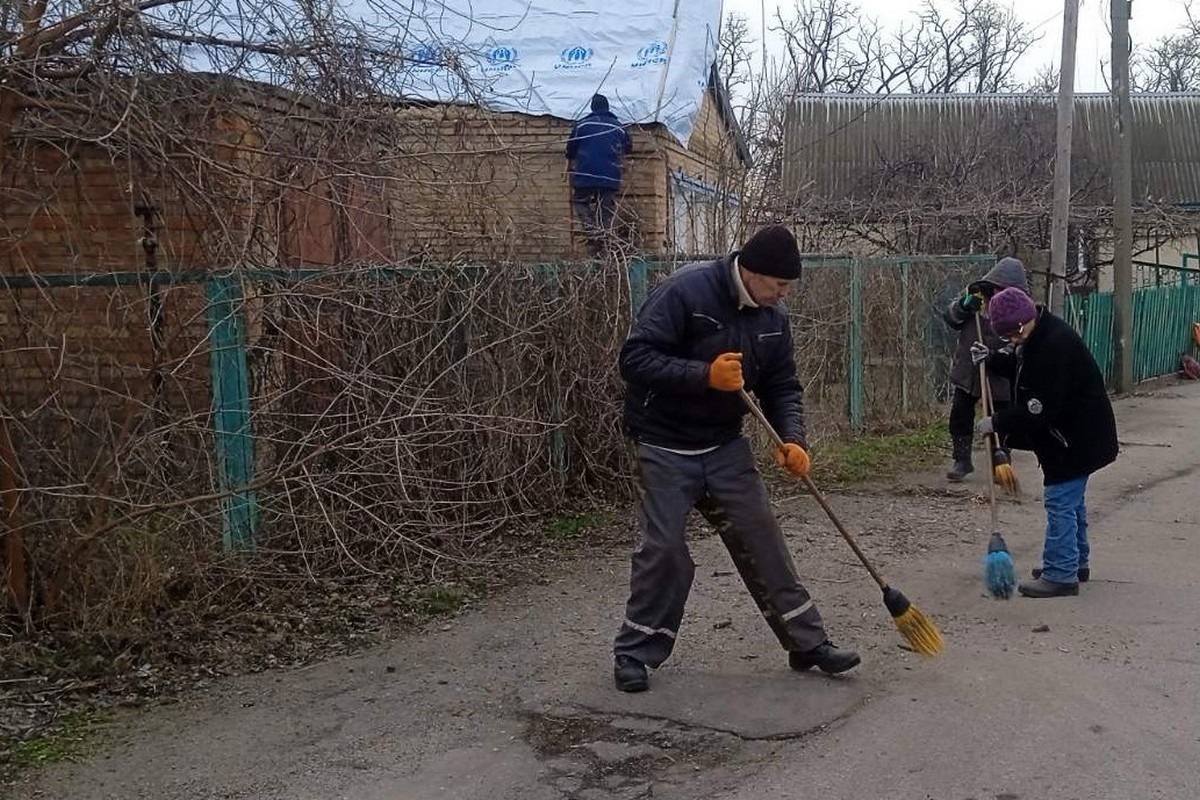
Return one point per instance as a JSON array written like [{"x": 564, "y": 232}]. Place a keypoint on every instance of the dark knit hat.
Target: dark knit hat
[
  {"x": 599, "y": 103},
  {"x": 772, "y": 251},
  {"x": 1009, "y": 309}
]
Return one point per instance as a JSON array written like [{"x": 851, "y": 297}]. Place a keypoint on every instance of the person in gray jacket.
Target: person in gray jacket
[{"x": 964, "y": 375}]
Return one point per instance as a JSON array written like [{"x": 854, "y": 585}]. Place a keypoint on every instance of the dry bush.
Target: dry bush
[
  {"x": 402, "y": 419},
  {"x": 405, "y": 420},
  {"x": 417, "y": 416}
]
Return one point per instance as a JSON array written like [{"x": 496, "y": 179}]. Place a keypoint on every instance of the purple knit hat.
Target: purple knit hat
[{"x": 1009, "y": 309}]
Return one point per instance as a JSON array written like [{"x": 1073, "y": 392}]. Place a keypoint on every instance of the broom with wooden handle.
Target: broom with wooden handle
[
  {"x": 1002, "y": 468},
  {"x": 998, "y": 571},
  {"x": 917, "y": 629}
]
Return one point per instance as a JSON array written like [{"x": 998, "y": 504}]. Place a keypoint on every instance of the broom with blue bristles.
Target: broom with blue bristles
[{"x": 999, "y": 573}]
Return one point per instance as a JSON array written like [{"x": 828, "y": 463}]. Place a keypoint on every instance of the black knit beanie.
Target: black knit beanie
[
  {"x": 599, "y": 103},
  {"x": 772, "y": 251}
]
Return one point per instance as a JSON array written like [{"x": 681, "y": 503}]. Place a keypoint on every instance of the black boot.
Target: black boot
[
  {"x": 1084, "y": 574},
  {"x": 1040, "y": 587},
  {"x": 824, "y": 657},
  {"x": 962, "y": 459},
  {"x": 630, "y": 674}
]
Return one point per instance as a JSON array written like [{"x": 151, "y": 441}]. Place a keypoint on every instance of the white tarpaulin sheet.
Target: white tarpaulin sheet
[{"x": 651, "y": 58}]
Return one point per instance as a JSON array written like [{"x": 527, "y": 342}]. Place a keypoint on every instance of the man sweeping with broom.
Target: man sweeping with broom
[
  {"x": 709, "y": 332},
  {"x": 1061, "y": 412}
]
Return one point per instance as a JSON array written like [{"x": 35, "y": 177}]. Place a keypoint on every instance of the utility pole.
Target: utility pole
[
  {"x": 1122, "y": 199},
  {"x": 1056, "y": 286}
]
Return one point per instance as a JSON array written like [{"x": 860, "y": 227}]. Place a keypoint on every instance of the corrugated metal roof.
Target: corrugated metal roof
[{"x": 838, "y": 146}]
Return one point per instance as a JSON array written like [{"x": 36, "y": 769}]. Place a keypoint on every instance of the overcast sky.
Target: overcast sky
[{"x": 1151, "y": 20}]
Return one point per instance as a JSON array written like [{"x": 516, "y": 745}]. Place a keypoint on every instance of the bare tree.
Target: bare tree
[
  {"x": 1044, "y": 81},
  {"x": 831, "y": 46},
  {"x": 734, "y": 55},
  {"x": 317, "y": 47},
  {"x": 972, "y": 47},
  {"x": 824, "y": 46},
  {"x": 1171, "y": 64}
]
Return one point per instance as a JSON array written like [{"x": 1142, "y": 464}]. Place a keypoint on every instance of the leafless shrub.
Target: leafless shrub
[{"x": 401, "y": 419}]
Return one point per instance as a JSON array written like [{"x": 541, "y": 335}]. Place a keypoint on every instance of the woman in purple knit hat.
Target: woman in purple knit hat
[{"x": 1061, "y": 412}]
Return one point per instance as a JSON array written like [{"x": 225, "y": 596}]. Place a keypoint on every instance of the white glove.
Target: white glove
[
  {"x": 985, "y": 426},
  {"x": 979, "y": 352}
]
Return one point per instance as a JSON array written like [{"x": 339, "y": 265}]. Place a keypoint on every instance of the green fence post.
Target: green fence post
[
  {"x": 231, "y": 411},
  {"x": 558, "y": 437},
  {"x": 638, "y": 281},
  {"x": 855, "y": 393},
  {"x": 904, "y": 337},
  {"x": 1092, "y": 318}
]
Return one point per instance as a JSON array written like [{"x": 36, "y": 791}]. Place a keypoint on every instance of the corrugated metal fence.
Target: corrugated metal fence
[{"x": 837, "y": 146}]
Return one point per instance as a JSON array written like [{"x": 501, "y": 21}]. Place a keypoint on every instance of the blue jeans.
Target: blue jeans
[{"x": 1066, "y": 550}]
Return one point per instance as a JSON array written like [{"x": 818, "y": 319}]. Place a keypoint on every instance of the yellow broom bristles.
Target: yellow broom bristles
[
  {"x": 1006, "y": 478},
  {"x": 920, "y": 632}
]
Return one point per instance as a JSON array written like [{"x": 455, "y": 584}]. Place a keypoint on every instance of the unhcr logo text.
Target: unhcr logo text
[
  {"x": 653, "y": 53},
  {"x": 576, "y": 57}
]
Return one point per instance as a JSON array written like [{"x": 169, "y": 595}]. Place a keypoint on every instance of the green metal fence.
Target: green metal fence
[
  {"x": 869, "y": 343},
  {"x": 1092, "y": 316},
  {"x": 1162, "y": 324},
  {"x": 234, "y": 440},
  {"x": 226, "y": 318},
  {"x": 870, "y": 346}
]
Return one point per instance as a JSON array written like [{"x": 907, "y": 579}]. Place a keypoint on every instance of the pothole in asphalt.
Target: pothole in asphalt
[{"x": 589, "y": 757}]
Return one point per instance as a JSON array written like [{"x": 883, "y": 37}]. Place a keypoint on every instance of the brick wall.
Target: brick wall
[
  {"x": 477, "y": 185},
  {"x": 244, "y": 192},
  {"x": 269, "y": 179},
  {"x": 71, "y": 210},
  {"x": 444, "y": 183},
  {"x": 482, "y": 186}
]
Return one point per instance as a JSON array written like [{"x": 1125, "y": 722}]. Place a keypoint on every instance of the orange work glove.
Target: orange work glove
[
  {"x": 793, "y": 458},
  {"x": 725, "y": 372}
]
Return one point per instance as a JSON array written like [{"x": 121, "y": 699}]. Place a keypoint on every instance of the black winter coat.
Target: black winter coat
[
  {"x": 686, "y": 322},
  {"x": 1060, "y": 409}
]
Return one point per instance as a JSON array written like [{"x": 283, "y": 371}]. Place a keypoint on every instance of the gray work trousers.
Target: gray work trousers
[{"x": 725, "y": 487}]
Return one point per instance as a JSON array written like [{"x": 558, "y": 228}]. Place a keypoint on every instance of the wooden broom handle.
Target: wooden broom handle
[
  {"x": 992, "y": 439},
  {"x": 816, "y": 493}
]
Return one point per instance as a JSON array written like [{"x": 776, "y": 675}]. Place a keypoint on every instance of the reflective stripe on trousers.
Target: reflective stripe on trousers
[{"x": 725, "y": 487}]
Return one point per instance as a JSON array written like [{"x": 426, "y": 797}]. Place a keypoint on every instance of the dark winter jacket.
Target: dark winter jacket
[
  {"x": 596, "y": 145},
  {"x": 963, "y": 374},
  {"x": 1060, "y": 407},
  {"x": 688, "y": 320}
]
